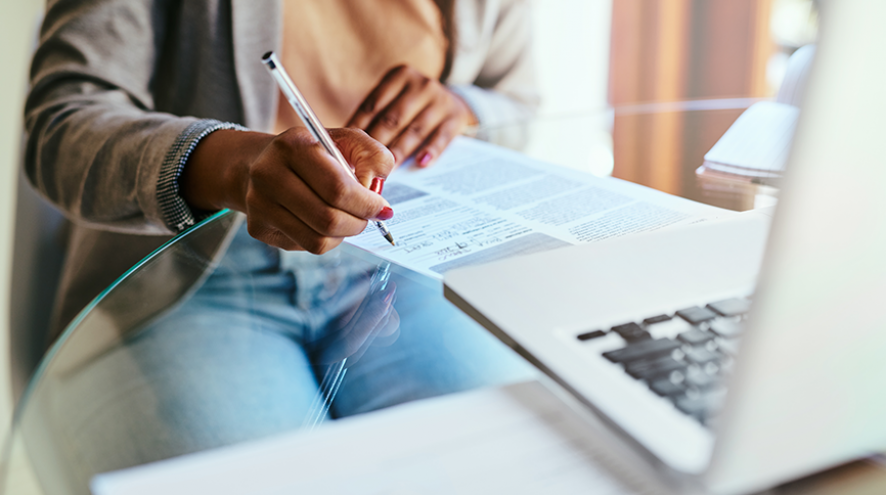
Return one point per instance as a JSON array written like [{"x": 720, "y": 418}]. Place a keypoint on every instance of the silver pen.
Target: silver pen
[{"x": 301, "y": 107}]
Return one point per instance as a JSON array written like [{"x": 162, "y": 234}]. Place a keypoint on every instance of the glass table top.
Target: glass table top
[{"x": 216, "y": 339}]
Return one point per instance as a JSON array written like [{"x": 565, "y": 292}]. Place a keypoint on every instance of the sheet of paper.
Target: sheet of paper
[
  {"x": 482, "y": 203},
  {"x": 518, "y": 439},
  {"x": 758, "y": 143}
]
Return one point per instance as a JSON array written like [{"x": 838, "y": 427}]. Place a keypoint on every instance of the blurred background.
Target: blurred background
[
  {"x": 642, "y": 89},
  {"x": 18, "y": 24}
]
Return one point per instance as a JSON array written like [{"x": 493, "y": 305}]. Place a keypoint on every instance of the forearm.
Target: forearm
[
  {"x": 98, "y": 162},
  {"x": 498, "y": 78},
  {"x": 501, "y": 119},
  {"x": 96, "y": 146}
]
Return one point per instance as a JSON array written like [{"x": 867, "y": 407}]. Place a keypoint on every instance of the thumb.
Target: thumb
[{"x": 368, "y": 158}]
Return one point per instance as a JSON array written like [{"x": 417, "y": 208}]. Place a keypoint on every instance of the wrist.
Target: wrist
[
  {"x": 216, "y": 174},
  {"x": 469, "y": 119}
]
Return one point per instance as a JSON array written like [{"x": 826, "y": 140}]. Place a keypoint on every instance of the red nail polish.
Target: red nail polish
[
  {"x": 425, "y": 159},
  {"x": 386, "y": 213},
  {"x": 377, "y": 185}
]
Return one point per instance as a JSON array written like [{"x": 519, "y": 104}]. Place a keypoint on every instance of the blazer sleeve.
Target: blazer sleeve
[
  {"x": 96, "y": 147},
  {"x": 505, "y": 96}
]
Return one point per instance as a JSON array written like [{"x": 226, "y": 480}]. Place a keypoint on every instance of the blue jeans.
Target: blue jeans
[{"x": 242, "y": 359}]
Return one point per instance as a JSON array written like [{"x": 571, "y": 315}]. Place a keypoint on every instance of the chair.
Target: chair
[
  {"x": 38, "y": 253},
  {"x": 29, "y": 245},
  {"x": 37, "y": 232}
]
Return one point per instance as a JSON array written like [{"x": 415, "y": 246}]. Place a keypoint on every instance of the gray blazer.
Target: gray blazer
[{"x": 123, "y": 90}]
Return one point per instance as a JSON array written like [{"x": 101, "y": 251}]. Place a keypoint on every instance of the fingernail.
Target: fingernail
[
  {"x": 377, "y": 185},
  {"x": 425, "y": 159},
  {"x": 390, "y": 296},
  {"x": 386, "y": 213}
]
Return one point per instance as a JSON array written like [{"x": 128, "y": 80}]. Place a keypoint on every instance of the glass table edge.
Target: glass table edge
[{"x": 69, "y": 328}]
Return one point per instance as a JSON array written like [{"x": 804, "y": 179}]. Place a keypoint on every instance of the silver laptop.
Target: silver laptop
[{"x": 741, "y": 358}]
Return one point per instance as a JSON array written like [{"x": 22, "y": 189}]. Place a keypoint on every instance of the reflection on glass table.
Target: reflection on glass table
[
  {"x": 216, "y": 339},
  {"x": 621, "y": 141}
]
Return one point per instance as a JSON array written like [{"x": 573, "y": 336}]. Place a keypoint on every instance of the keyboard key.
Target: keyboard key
[
  {"x": 701, "y": 380},
  {"x": 665, "y": 387},
  {"x": 591, "y": 335},
  {"x": 728, "y": 346},
  {"x": 668, "y": 329},
  {"x": 631, "y": 332},
  {"x": 694, "y": 406},
  {"x": 656, "y": 319},
  {"x": 702, "y": 405},
  {"x": 696, "y": 315},
  {"x": 645, "y": 349},
  {"x": 731, "y": 307},
  {"x": 647, "y": 370},
  {"x": 695, "y": 337},
  {"x": 700, "y": 355},
  {"x": 729, "y": 329}
]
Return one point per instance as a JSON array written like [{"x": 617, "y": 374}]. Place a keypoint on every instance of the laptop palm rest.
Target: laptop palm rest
[{"x": 538, "y": 304}]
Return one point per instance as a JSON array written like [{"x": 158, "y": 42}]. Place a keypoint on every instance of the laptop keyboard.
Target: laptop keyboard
[{"x": 682, "y": 356}]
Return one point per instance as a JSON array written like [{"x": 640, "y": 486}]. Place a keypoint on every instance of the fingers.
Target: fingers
[
  {"x": 276, "y": 226},
  {"x": 350, "y": 297},
  {"x": 380, "y": 97},
  {"x": 296, "y": 197},
  {"x": 299, "y": 197},
  {"x": 374, "y": 316},
  {"x": 401, "y": 95},
  {"x": 371, "y": 319},
  {"x": 415, "y": 96},
  {"x": 387, "y": 331},
  {"x": 330, "y": 181},
  {"x": 389, "y": 326},
  {"x": 433, "y": 147},
  {"x": 368, "y": 157},
  {"x": 412, "y": 115},
  {"x": 274, "y": 237},
  {"x": 417, "y": 133}
]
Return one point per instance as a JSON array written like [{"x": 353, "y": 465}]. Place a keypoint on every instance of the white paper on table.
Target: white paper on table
[
  {"x": 758, "y": 142},
  {"x": 518, "y": 439},
  {"x": 481, "y": 203}
]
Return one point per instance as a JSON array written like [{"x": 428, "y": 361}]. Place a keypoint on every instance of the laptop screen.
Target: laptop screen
[{"x": 809, "y": 389}]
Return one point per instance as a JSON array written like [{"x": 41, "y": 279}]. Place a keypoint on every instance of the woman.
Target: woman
[{"x": 137, "y": 120}]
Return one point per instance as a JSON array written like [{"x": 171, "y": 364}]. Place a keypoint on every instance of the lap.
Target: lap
[
  {"x": 439, "y": 351},
  {"x": 238, "y": 361}
]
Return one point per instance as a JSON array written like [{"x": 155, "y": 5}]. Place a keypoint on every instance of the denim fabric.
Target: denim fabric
[{"x": 243, "y": 357}]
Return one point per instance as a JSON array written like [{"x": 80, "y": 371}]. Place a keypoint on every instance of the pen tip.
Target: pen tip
[{"x": 390, "y": 238}]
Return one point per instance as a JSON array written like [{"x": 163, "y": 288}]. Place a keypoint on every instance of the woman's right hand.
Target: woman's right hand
[
  {"x": 294, "y": 194},
  {"x": 368, "y": 319}
]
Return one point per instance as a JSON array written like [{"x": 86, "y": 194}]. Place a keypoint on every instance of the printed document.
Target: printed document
[
  {"x": 481, "y": 203},
  {"x": 518, "y": 439}
]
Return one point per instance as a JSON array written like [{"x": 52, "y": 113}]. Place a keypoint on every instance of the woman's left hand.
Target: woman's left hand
[{"x": 413, "y": 114}]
